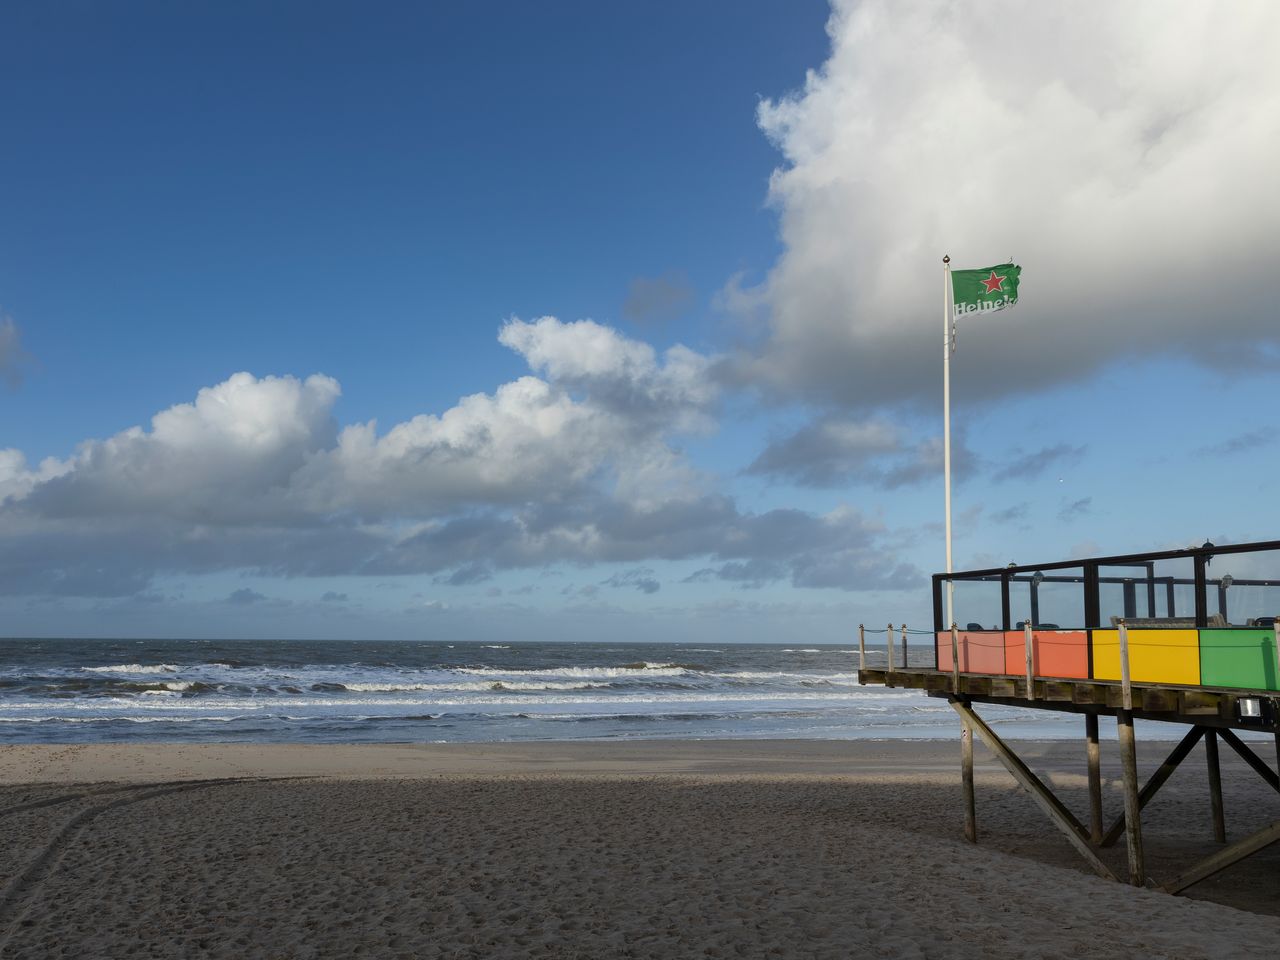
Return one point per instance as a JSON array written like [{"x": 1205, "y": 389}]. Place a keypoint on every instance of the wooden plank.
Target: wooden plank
[
  {"x": 955, "y": 658},
  {"x": 1251, "y": 758},
  {"x": 1224, "y": 858},
  {"x": 977, "y": 686},
  {"x": 1088, "y": 693},
  {"x": 1058, "y": 690},
  {"x": 1158, "y": 780},
  {"x": 1215, "y": 786},
  {"x": 1004, "y": 687},
  {"x": 1126, "y": 687},
  {"x": 1028, "y": 641},
  {"x": 1044, "y": 798},
  {"x": 1156, "y": 700},
  {"x": 1094, "y": 751},
  {"x": 1132, "y": 808},
  {"x": 1200, "y": 703}
]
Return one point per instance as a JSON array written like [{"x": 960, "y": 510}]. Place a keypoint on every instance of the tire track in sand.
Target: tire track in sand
[{"x": 16, "y": 897}]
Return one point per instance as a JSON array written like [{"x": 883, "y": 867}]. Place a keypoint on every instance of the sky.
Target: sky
[{"x": 580, "y": 321}]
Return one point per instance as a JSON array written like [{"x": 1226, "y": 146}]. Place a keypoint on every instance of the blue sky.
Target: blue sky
[{"x": 584, "y": 321}]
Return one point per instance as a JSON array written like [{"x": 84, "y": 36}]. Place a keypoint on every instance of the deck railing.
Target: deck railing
[{"x": 1108, "y": 618}]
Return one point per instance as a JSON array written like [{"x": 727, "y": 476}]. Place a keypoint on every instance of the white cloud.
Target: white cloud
[
  {"x": 577, "y": 468},
  {"x": 229, "y": 457},
  {"x": 602, "y": 417},
  {"x": 1122, "y": 153},
  {"x": 618, "y": 373}
]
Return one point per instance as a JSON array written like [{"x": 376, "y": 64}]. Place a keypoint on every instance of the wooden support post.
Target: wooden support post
[
  {"x": 1026, "y": 643},
  {"x": 1132, "y": 808},
  {"x": 1224, "y": 858},
  {"x": 955, "y": 659},
  {"x": 862, "y": 651},
  {"x": 1094, "y": 751},
  {"x": 1215, "y": 786},
  {"x": 1162, "y": 774},
  {"x": 1044, "y": 798},
  {"x": 966, "y": 780},
  {"x": 1249, "y": 757},
  {"x": 1126, "y": 689},
  {"x": 905, "y": 664},
  {"x": 889, "y": 646}
]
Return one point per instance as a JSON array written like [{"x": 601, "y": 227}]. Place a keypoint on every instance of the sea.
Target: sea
[{"x": 321, "y": 691}]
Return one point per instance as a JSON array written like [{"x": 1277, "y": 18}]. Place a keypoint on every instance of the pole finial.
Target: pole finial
[{"x": 946, "y": 258}]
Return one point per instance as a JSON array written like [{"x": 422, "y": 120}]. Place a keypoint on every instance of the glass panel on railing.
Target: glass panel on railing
[
  {"x": 1243, "y": 589},
  {"x": 1049, "y": 599},
  {"x": 978, "y": 604},
  {"x": 1153, "y": 593}
]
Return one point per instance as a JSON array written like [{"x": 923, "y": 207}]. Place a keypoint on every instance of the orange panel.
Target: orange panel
[
  {"x": 1055, "y": 653},
  {"x": 980, "y": 651}
]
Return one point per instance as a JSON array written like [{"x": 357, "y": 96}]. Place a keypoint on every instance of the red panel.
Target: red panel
[
  {"x": 981, "y": 651},
  {"x": 1055, "y": 653}
]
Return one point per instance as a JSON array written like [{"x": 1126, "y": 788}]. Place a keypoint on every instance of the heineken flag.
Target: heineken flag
[{"x": 991, "y": 288}]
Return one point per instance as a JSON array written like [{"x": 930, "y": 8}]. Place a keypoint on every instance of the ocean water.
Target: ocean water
[{"x": 75, "y": 691}]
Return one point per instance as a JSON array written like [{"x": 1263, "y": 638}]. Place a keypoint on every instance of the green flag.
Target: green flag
[{"x": 991, "y": 288}]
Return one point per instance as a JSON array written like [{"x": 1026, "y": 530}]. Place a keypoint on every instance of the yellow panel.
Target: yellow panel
[{"x": 1155, "y": 656}]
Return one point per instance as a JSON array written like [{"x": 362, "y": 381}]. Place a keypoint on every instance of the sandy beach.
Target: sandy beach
[{"x": 596, "y": 850}]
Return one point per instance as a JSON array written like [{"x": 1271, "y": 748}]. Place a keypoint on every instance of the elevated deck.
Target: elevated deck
[
  {"x": 1129, "y": 637},
  {"x": 1172, "y": 703}
]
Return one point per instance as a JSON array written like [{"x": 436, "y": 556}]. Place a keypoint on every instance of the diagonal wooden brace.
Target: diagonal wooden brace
[
  {"x": 1044, "y": 798},
  {"x": 1224, "y": 858},
  {"x": 1156, "y": 782},
  {"x": 1249, "y": 757}
]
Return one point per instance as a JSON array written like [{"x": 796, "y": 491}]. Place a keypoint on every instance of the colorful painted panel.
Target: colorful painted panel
[
  {"x": 980, "y": 651},
  {"x": 1155, "y": 656},
  {"x": 1239, "y": 658},
  {"x": 1055, "y": 653}
]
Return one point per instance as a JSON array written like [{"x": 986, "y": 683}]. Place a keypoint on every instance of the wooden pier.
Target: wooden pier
[{"x": 1124, "y": 666}]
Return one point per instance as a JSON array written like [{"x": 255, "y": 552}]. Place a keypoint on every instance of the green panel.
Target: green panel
[{"x": 1239, "y": 658}]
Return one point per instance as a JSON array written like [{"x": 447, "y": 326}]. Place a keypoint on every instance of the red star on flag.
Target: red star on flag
[{"x": 993, "y": 283}]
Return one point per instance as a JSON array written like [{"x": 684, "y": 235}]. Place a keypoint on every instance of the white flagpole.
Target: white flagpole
[{"x": 946, "y": 426}]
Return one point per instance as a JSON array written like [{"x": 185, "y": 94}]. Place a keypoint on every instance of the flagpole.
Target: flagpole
[{"x": 946, "y": 425}]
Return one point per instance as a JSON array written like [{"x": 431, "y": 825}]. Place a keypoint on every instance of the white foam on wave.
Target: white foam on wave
[
  {"x": 135, "y": 668},
  {"x": 584, "y": 673},
  {"x": 203, "y": 718},
  {"x": 837, "y": 678},
  {"x": 465, "y": 686}
]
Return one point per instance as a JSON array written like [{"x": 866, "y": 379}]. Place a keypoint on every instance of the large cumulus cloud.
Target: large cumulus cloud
[
  {"x": 573, "y": 463},
  {"x": 1123, "y": 153}
]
